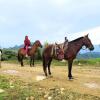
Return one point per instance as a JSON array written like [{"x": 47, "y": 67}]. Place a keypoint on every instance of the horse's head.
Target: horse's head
[
  {"x": 87, "y": 42},
  {"x": 38, "y": 43},
  {"x": 59, "y": 52}
]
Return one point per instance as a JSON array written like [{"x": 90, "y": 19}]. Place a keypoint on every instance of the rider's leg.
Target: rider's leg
[{"x": 26, "y": 51}]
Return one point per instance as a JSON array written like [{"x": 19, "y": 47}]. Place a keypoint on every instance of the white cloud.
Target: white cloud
[
  {"x": 46, "y": 19},
  {"x": 94, "y": 35}
]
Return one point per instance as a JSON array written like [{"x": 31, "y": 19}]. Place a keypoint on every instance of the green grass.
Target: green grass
[{"x": 92, "y": 62}]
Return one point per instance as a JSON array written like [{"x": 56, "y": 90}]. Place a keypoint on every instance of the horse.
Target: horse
[
  {"x": 73, "y": 48},
  {"x": 53, "y": 51},
  {"x": 0, "y": 56},
  {"x": 31, "y": 52}
]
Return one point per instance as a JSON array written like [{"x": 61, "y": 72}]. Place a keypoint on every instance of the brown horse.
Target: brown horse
[
  {"x": 31, "y": 52},
  {"x": 70, "y": 51},
  {"x": 73, "y": 48},
  {"x": 50, "y": 52}
]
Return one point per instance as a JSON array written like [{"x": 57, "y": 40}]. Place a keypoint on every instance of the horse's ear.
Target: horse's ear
[{"x": 86, "y": 35}]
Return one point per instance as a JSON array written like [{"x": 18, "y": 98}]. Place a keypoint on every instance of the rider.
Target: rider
[
  {"x": 27, "y": 44},
  {"x": 66, "y": 40},
  {"x": 65, "y": 44}
]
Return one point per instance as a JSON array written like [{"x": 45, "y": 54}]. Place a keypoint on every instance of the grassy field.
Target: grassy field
[
  {"x": 91, "y": 62},
  {"x": 20, "y": 83}
]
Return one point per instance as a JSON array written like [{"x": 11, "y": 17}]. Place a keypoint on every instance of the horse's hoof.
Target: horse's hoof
[
  {"x": 31, "y": 66},
  {"x": 50, "y": 76},
  {"x": 70, "y": 78},
  {"x": 22, "y": 65}
]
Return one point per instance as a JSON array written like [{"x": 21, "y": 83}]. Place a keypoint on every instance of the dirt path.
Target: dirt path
[{"x": 87, "y": 79}]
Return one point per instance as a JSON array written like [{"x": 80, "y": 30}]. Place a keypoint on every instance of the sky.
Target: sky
[{"x": 48, "y": 20}]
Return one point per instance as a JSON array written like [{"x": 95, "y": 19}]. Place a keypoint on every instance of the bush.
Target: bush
[{"x": 8, "y": 55}]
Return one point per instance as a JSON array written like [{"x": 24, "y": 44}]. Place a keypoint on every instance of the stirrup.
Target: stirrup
[{"x": 26, "y": 55}]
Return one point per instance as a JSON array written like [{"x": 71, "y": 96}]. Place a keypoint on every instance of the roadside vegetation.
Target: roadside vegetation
[{"x": 10, "y": 55}]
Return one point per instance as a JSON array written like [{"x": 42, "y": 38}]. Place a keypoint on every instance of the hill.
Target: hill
[
  {"x": 88, "y": 55},
  {"x": 83, "y": 54}
]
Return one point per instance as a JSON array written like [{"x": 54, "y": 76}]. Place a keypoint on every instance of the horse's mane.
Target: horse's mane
[
  {"x": 34, "y": 43},
  {"x": 49, "y": 46},
  {"x": 76, "y": 39}
]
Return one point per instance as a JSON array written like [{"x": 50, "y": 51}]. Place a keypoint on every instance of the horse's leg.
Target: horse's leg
[
  {"x": 70, "y": 68},
  {"x": 45, "y": 66},
  {"x": 22, "y": 61},
  {"x": 33, "y": 60},
  {"x": 49, "y": 63},
  {"x": 30, "y": 61}
]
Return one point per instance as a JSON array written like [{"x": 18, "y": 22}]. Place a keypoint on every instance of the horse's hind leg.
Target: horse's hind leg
[
  {"x": 45, "y": 70},
  {"x": 49, "y": 63},
  {"x": 21, "y": 61},
  {"x": 45, "y": 67}
]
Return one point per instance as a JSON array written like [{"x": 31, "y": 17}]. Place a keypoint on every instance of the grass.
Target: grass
[
  {"x": 19, "y": 87},
  {"x": 22, "y": 90},
  {"x": 18, "y": 90},
  {"x": 92, "y": 62}
]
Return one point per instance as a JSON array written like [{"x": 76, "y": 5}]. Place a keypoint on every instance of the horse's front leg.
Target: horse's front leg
[
  {"x": 70, "y": 69},
  {"x": 32, "y": 61}
]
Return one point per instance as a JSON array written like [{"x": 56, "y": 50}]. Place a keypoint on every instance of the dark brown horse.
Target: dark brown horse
[
  {"x": 50, "y": 52},
  {"x": 70, "y": 51},
  {"x": 73, "y": 48},
  {"x": 31, "y": 52}
]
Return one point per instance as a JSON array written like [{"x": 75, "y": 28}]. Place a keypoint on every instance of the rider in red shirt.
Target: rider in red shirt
[{"x": 27, "y": 44}]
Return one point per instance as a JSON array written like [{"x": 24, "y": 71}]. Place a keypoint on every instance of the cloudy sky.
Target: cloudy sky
[{"x": 46, "y": 20}]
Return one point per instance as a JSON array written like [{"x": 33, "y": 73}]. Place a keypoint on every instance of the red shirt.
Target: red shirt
[{"x": 27, "y": 41}]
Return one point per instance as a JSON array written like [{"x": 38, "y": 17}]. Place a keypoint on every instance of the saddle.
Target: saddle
[{"x": 27, "y": 49}]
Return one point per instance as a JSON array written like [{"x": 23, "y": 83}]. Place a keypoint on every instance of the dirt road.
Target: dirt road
[{"x": 86, "y": 78}]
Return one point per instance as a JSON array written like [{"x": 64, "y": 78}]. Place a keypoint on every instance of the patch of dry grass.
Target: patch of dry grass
[{"x": 82, "y": 75}]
